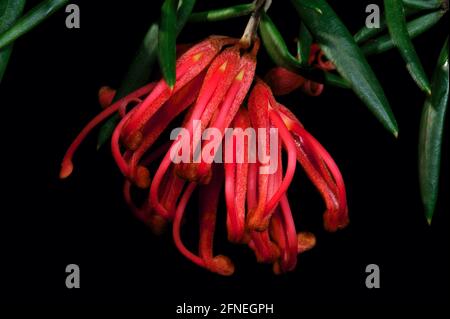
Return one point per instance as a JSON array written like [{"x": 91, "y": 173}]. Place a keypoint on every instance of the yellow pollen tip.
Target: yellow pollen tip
[
  {"x": 240, "y": 76},
  {"x": 223, "y": 66},
  {"x": 287, "y": 121},
  {"x": 197, "y": 57}
]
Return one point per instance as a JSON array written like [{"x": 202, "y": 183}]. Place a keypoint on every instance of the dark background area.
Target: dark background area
[{"x": 50, "y": 91}]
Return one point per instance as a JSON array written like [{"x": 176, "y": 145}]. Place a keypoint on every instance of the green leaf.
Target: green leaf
[
  {"x": 10, "y": 11},
  {"x": 415, "y": 28},
  {"x": 30, "y": 20},
  {"x": 423, "y": 4},
  {"x": 184, "y": 11},
  {"x": 280, "y": 55},
  {"x": 431, "y": 131},
  {"x": 396, "y": 21},
  {"x": 366, "y": 33},
  {"x": 338, "y": 45},
  {"x": 275, "y": 45},
  {"x": 140, "y": 68},
  {"x": 4, "y": 59},
  {"x": 223, "y": 13},
  {"x": 304, "y": 44},
  {"x": 107, "y": 130},
  {"x": 336, "y": 80},
  {"x": 166, "y": 41},
  {"x": 137, "y": 75}
]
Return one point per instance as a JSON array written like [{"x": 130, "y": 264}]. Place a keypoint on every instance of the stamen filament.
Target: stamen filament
[
  {"x": 177, "y": 223},
  {"x": 289, "y": 144},
  {"x": 67, "y": 165},
  {"x": 289, "y": 260}
]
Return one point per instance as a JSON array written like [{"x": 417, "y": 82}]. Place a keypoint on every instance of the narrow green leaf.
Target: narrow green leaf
[
  {"x": 183, "y": 13},
  {"x": 107, "y": 130},
  {"x": 304, "y": 44},
  {"x": 280, "y": 55},
  {"x": 137, "y": 75},
  {"x": 336, "y": 80},
  {"x": 275, "y": 45},
  {"x": 423, "y": 4},
  {"x": 338, "y": 45},
  {"x": 4, "y": 59},
  {"x": 223, "y": 13},
  {"x": 30, "y": 20},
  {"x": 396, "y": 22},
  {"x": 140, "y": 68},
  {"x": 415, "y": 27},
  {"x": 431, "y": 131},
  {"x": 366, "y": 33},
  {"x": 10, "y": 11},
  {"x": 166, "y": 41}
]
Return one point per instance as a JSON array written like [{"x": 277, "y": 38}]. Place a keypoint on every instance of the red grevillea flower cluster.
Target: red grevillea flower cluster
[{"x": 213, "y": 79}]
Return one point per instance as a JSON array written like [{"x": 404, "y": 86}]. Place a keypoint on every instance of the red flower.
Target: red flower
[{"x": 213, "y": 79}]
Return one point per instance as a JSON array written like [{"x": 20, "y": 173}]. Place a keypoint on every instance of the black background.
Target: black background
[{"x": 49, "y": 92}]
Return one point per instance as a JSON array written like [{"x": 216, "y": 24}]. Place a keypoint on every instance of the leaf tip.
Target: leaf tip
[
  {"x": 170, "y": 82},
  {"x": 429, "y": 212}
]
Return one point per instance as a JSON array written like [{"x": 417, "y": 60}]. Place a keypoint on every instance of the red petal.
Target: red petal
[
  {"x": 236, "y": 183},
  {"x": 218, "y": 80},
  {"x": 161, "y": 119},
  {"x": 283, "y": 81},
  {"x": 188, "y": 66}
]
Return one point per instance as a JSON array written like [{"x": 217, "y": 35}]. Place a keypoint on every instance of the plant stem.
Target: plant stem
[{"x": 253, "y": 23}]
